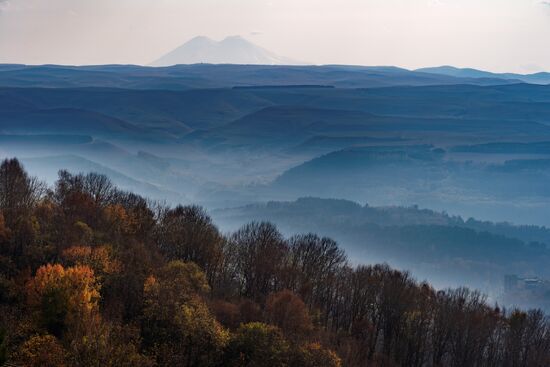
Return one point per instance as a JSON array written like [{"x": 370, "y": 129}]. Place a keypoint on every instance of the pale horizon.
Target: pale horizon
[{"x": 491, "y": 35}]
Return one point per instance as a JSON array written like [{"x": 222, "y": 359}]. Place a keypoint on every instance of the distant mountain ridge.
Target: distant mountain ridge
[
  {"x": 207, "y": 76},
  {"x": 537, "y": 78},
  {"x": 230, "y": 50}
]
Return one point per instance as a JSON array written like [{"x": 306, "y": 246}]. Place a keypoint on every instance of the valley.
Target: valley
[{"x": 471, "y": 146}]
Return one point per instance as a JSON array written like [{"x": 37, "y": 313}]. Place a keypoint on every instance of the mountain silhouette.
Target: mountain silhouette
[{"x": 231, "y": 50}]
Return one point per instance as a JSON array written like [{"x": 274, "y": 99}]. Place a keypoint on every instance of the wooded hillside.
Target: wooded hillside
[{"x": 94, "y": 276}]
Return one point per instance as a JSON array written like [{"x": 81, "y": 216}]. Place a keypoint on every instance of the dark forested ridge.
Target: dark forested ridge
[
  {"x": 94, "y": 276},
  {"x": 447, "y": 250}
]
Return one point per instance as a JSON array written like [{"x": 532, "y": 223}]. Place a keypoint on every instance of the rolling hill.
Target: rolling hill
[
  {"x": 184, "y": 77},
  {"x": 427, "y": 242},
  {"x": 536, "y": 78}
]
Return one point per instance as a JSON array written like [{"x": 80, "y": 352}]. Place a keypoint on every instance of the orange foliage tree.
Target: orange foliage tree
[
  {"x": 99, "y": 259},
  {"x": 62, "y": 296},
  {"x": 286, "y": 310}
]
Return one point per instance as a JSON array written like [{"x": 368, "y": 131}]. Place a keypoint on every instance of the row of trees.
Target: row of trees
[{"x": 94, "y": 276}]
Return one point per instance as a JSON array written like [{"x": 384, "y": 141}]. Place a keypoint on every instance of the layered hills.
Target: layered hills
[{"x": 228, "y": 136}]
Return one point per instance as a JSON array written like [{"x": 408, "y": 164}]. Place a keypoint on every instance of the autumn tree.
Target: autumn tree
[
  {"x": 287, "y": 311},
  {"x": 140, "y": 220},
  {"x": 314, "y": 355},
  {"x": 257, "y": 345},
  {"x": 249, "y": 311},
  {"x": 62, "y": 297},
  {"x": 227, "y": 313},
  {"x": 75, "y": 203},
  {"x": 99, "y": 259},
  {"x": 177, "y": 326},
  {"x": 66, "y": 303},
  {"x": 101, "y": 343},
  {"x": 41, "y": 351},
  {"x": 187, "y": 233},
  {"x": 287, "y": 302}
]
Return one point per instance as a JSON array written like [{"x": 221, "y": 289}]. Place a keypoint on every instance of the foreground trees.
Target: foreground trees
[
  {"x": 93, "y": 276},
  {"x": 177, "y": 326},
  {"x": 63, "y": 298},
  {"x": 41, "y": 351},
  {"x": 19, "y": 193}
]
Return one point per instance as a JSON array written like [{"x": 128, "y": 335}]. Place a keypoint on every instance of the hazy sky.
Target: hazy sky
[{"x": 499, "y": 35}]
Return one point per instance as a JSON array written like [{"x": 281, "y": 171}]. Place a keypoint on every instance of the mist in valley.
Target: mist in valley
[
  {"x": 217, "y": 183},
  {"x": 477, "y": 151}
]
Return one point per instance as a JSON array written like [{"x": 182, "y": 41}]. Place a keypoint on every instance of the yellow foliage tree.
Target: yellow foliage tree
[
  {"x": 63, "y": 296},
  {"x": 100, "y": 343},
  {"x": 41, "y": 351},
  {"x": 259, "y": 345},
  {"x": 314, "y": 355},
  {"x": 178, "y": 328}
]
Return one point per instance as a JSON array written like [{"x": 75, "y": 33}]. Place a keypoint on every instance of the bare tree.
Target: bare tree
[
  {"x": 19, "y": 192},
  {"x": 187, "y": 233},
  {"x": 262, "y": 253}
]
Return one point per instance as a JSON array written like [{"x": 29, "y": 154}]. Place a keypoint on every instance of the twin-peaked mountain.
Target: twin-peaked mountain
[{"x": 231, "y": 50}]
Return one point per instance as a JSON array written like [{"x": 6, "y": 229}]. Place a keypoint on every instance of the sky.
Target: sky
[{"x": 495, "y": 35}]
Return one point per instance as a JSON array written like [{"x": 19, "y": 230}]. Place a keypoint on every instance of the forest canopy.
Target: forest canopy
[{"x": 91, "y": 275}]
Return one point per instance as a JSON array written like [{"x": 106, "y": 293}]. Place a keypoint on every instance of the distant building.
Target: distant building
[{"x": 529, "y": 292}]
